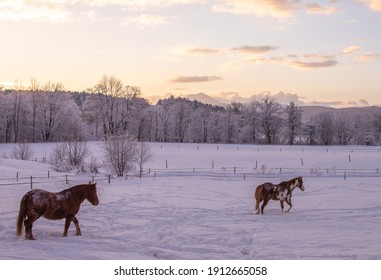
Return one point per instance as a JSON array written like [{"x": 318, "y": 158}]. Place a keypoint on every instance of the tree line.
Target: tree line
[{"x": 49, "y": 113}]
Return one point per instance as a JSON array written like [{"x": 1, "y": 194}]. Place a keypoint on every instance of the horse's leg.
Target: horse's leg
[
  {"x": 78, "y": 230},
  {"x": 265, "y": 201},
  {"x": 290, "y": 204},
  {"x": 257, "y": 205},
  {"x": 28, "y": 229},
  {"x": 67, "y": 224},
  {"x": 28, "y": 223},
  {"x": 282, "y": 205}
]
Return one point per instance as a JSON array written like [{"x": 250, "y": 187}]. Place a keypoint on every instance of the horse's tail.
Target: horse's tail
[
  {"x": 258, "y": 194},
  {"x": 21, "y": 216}
]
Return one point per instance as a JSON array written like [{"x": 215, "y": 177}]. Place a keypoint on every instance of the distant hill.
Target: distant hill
[
  {"x": 309, "y": 111},
  {"x": 206, "y": 99}
]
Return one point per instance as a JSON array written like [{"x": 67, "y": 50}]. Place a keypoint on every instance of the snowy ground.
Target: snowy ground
[{"x": 193, "y": 206}]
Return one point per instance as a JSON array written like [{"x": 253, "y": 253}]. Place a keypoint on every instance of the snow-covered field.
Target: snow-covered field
[{"x": 197, "y": 203}]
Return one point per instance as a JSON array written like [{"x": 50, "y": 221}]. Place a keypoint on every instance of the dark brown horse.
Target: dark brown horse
[
  {"x": 54, "y": 206},
  {"x": 281, "y": 192}
]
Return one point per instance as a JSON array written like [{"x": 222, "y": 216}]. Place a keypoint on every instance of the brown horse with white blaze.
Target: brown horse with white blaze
[
  {"x": 54, "y": 206},
  {"x": 282, "y": 192}
]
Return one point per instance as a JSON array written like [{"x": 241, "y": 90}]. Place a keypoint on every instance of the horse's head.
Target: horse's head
[
  {"x": 300, "y": 183},
  {"x": 92, "y": 194}
]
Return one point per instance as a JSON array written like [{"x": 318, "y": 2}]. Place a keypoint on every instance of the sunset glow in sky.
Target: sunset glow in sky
[{"x": 323, "y": 52}]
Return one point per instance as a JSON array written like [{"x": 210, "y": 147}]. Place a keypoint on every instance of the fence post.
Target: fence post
[
  {"x": 66, "y": 180},
  {"x": 17, "y": 177},
  {"x": 109, "y": 178},
  {"x": 302, "y": 161},
  {"x": 31, "y": 182},
  {"x": 345, "y": 175}
]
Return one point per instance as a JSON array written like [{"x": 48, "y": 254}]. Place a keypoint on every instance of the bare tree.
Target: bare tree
[
  {"x": 251, "y": 119},
  {"x": 113, "y": 102},
  {"x": 120, "y": 153},
  {"x": 69, "y": 155},
  {"x": 34, "y": 96},
  {"x": 269, "y": 118},
  {"x": 294, "y": 121},
  {"x": 77, "y": 152},
  {"x": 22, "y": 151},
  {"x": 376, "y": 125},
  {"x": 342, "y": 129},
  {"x": 325, "y": 124},
  {"x": 143, "y": 155}
]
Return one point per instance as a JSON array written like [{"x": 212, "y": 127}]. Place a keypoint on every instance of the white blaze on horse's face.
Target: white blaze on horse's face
[{"x": 300, "y": 183}]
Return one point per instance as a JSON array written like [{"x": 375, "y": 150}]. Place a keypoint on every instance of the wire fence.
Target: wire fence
[
  {"x": 225, "y": 173},
  {"x": 247, "y": 173},
  {"x": 67, "y": 179}
]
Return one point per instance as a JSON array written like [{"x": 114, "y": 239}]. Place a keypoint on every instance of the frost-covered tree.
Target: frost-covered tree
[
  {"x": 293, "y": 122},
  {"x": 343, "y": 129},
  {"x": 376, "y": 125},
  {"x": 114, "y": 107},
  {"x": 144, "y": 154},
  {"x": 269, "y": 123},
  {"x": 325, "y": 126},
  {"x": 120, "y": 153},
  {"x": 251, "y": 119}
]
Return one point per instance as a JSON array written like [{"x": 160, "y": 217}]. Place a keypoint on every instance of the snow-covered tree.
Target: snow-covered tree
[
  {"x": 270, "y": 121},
  {"x": 293, "y": 122},
  {"x": 120, "y": 153}
]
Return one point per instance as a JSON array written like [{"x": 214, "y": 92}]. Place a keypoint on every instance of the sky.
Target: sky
[{"x": 313, "y": 52}]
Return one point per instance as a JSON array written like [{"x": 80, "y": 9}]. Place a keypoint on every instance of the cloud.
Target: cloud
[
  {"x": 64, "y": 11},
  {"x": 368, "y": 57},
  {"x": 230, "y": 96},
  {"x": 145, "y": 20},
  {"x": 35, "y": 10},
  {"x": 351, "y": 50},
  {"x": 202, "y": 51},
  {"x": 308, "y": 61},
  {"x": 321, "y": 10},
  {"x": 313, "y": 64},
  {"x": 253, "y": 49},
  {"x": 374, "y": 5},
  {"x": 195, "y": 79},
  {"x": 139, "y": 5},
  {"x": 363, "y": 102},
  {"x": 338, "y": 103},
  {"x": 273, "y": 8}
]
